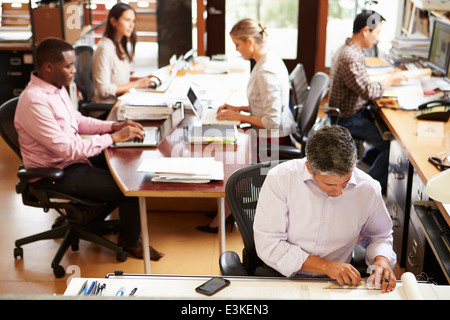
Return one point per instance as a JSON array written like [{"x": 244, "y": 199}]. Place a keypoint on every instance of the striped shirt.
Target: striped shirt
[{"x": 350, "y": 88}]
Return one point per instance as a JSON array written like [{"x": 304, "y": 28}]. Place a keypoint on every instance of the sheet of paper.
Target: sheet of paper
[
  {"x": 183, "y": 168},
  {"x": 430, "y": 129},
  {"x": 411, "y": 88}
]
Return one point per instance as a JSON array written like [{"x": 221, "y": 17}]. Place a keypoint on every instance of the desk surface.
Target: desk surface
[
  {"x": 248, "y": 288},
  {"x": 404, "y": 126},
  {"x": 123, "y": 163}
]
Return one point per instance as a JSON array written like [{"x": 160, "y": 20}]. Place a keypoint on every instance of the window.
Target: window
[
  {"x": 341, "y": 14},
  {"x": 280, "y": 17}
]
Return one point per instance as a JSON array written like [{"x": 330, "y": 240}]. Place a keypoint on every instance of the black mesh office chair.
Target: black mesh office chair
[
  {"x": 299, "y": 89},
  {"x": 85, "y": 84},
  {"x": 307, "y": 116},
  {"x": 76, "y": 215},
  {"x": 242, "y": 192}
]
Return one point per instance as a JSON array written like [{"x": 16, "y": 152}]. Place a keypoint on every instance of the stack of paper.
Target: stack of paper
[
  {"x": 183, "y": 169},
  {"x": 211, "y": 134},
  {"x": 137, "y": 105},
  {"x": 404, "y": 48}
]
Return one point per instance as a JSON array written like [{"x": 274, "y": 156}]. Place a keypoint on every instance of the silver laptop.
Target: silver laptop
[
  {"x": 206, "y": 115},
  {"x": 154, "y": 135}
]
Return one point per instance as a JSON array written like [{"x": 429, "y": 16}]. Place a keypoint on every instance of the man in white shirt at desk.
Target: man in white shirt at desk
[{"x": 312, "y": 211}]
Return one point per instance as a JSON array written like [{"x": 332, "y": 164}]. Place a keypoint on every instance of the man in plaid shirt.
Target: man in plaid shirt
[{"x": 351, "y": 91}]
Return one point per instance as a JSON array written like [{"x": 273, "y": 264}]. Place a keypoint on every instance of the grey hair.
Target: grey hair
[{"x": 331, "y": 151}]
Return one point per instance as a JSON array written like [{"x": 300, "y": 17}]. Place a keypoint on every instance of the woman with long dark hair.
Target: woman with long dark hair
[{"x": 114, "y": 53}]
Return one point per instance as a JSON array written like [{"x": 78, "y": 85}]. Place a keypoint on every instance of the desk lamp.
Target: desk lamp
[{"x": 438, "y": 187}]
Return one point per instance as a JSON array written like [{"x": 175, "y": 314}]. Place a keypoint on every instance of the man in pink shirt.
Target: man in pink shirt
[{"x": 50, "y": 129}]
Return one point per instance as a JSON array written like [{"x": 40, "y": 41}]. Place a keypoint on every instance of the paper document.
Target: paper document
[
  {"x": 139, "y": 98},
  {"x": 183, "y": 169},
  {"x": 144, "y": 106}
]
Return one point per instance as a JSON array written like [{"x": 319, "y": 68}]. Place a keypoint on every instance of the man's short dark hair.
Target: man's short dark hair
[
  {"x": 331, "y": 150},
  {"x": 51, "y": 50},
  {"x": 367, "y": 18}
]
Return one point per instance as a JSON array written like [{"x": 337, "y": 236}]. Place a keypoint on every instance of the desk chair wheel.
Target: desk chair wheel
[
  {"x": 18, "y": 253},
  {"x": 121, "y": 256},
  {"x": 59, "y": 271}
]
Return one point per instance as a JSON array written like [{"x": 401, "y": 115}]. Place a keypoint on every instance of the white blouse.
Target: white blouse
[
  {"x": 268, "y": 95},
  {"x": 108, "y": 71}
]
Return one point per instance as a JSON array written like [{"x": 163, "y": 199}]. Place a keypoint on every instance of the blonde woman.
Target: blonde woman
[
  {"x": 268, "y": 86},
  {"x": 267, "y": 93}
]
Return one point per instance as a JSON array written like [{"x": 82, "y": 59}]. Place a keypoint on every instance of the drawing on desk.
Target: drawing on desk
[{"x": 251, "y": 288}]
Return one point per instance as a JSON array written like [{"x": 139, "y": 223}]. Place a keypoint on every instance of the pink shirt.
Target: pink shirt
[{"x": 49, "y": 128}]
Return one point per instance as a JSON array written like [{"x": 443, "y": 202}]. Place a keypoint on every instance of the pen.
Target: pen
[
  {"x": 83, "y": 287},
  {"x": 90, "y": 288},
  {"x": 133, "y": 292},
  {"x": 97, "y": 289},
  {"x": 102, "y": 287}
]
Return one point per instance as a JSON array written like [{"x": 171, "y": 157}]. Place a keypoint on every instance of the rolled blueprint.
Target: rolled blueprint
[{"x": 411, "y": 287}]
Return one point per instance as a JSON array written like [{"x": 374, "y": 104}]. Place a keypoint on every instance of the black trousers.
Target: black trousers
[{"x": 96, "y": 183}]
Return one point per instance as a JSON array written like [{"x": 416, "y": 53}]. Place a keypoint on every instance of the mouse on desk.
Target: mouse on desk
[{"x": 437, "y": 110}]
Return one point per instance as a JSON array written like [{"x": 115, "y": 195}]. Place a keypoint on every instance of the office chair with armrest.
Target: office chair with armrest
[
  {"x": 242, "y": 192},
  {"x": 76, "y": 214},
  {"x": 299, "y": 89},
  {"x": 307, "y": 117},
  {"x": 85, "y": 84}
]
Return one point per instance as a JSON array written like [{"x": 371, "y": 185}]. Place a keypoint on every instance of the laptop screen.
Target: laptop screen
[{"x": 196, "y": 105}]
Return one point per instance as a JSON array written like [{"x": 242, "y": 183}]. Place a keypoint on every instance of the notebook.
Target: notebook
[
  {"x": 207, "y": 115},
  {"x": 154, "y": 135}
]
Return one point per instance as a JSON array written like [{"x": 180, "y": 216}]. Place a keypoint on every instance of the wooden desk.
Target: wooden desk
[
  {"x": 404, "y": 127},
  {"x": 123, "y": 163}
]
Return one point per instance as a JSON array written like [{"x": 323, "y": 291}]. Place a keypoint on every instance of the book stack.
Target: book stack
[
  {"x": 409, "y": 49},
  {"x": 137, "y": 105}
]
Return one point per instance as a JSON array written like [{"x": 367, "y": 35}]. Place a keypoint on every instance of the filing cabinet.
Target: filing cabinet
[
  {"x": 415, "y": 251},
  {"x": 15, "y": 71},
  {"x": 398, "y": 197}
]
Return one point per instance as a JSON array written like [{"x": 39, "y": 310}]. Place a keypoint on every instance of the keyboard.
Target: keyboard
[
  {"x": 209, "y": 117},
  {"x": 151, "y": 138},
  {"x": 442, "y": 226}
]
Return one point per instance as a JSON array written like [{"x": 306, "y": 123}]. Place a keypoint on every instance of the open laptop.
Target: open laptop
[
  {"x": 154, "y": 135},
  {"x": 207, "y": 115}
]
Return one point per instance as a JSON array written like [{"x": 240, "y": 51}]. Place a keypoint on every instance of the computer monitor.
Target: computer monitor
[
  {"x": 447, "y": 76},
  {"x": 438, "y": 55}
]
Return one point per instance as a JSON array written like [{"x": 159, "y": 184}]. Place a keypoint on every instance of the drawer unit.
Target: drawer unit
[
  {"x": 16, "y": 66},
  {"x": 397, "y": 214},
  {"x": 399, "y": 179},
  {"x": 415, "y": 251},
  {"x": 418, "y": 189},
  {"x": 398, "y": 197},
  {"x": 15, "y": 71}
]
